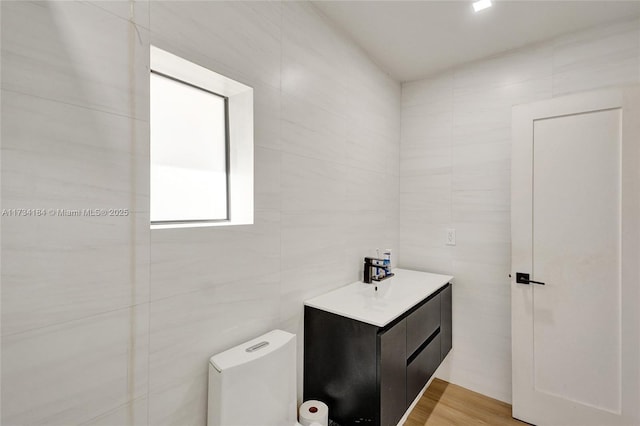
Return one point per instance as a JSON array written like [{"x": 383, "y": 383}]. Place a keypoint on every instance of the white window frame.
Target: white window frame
[{"x": 239, "y": 134}]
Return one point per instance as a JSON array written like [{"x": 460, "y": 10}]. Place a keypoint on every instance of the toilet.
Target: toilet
[{"x": 254, "y": 384}]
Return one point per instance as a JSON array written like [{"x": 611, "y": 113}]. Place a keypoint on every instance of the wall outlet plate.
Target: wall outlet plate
[{"x": 451, "y": 237}]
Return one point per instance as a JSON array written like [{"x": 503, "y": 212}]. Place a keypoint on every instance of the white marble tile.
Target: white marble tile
[
  {"x": 56, "y": 152},
  {"x": 371, "y": 152},
  {"x": 371, "y": 114},
  {"x": 314, "y": 58},
  {"x": 473, "y": 366},
  {"x": 373, "y": 117},
  {"x": 370, "y": 190},
  {"x": 130, "y": 414},
  {"x": 422, "y": 240},
  {"x": 492, "y": 175},
  {"x": 467, "y": 100},
  {"x": 483, "y": 114},
  {"x": 421, "y": 257},
  {"x": 267, "y": 179},
  {"x": 416, "y": 160},
  {"x": 485, "y": 206},
  {"x": 426, "y": 130},
  {"x": 183, "y": 404},
  {"x": 184, "y": 260},
  {"x": 241, "y": 40},
  {"x": 480, "y": 155},
  {"x": 373, "y": 98},
  {"x": 435, "y": 203},
  {"x": 511, "y": 68},
  {"x": 310, "y": 280},
  {"x": 267, "y": 124},
  {"x": 485, "y": 241},
  {"x": 76, "y": 53},
  {"x": 311, "y": 130},
  {"x": 312, "y": 238},
  {"x": 419, "y": 182},
  {"x": 482, "y": 167},
  {"x": 63, "y": 268},
  {"x": 604, "y": 56},
  {"x": 483, "y": 127},
  {"x": 370, "y": 230},
  {"x": 309, "y": 184},
  {"x": 430, "y": 95},
  {"x": 72, "y": 158},
  {"x": 186, "y": 330},
  {"x": 72, "y": 372},
  {"x": 423, "y": 226},
  {"x": 130, "y": 10},
  {"x": 393, "y": 167},
  {"x": 486, "y": 284}
]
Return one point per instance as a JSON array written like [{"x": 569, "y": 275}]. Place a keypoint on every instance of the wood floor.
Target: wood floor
[{"x": 447, "y": 404}]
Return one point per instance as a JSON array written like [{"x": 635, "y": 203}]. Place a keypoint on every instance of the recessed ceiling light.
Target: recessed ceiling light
[{"x": 481, "y": 5}]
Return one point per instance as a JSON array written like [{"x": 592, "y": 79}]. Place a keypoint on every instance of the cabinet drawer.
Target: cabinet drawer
[
  {"x": 422, "y": 368},
  {"x": 422, "y": 323}
]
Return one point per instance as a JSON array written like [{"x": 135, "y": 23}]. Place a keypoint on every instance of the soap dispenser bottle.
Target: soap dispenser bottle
[{"x": 387, "y": 258}]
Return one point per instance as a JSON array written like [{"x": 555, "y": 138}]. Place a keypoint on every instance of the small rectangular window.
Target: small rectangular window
[
  {"x": 188, "y": 152},
  {"x": 201, "y": 165}
]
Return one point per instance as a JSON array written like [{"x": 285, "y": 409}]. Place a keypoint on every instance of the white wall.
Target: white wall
[
  {"x": 455, "y": 172},
  {"x": 107, "y": 323},
  {"x": 327, "y": 146}
]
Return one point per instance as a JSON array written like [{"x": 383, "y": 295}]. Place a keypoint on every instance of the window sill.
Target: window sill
[{"x": 196, "y": 224}]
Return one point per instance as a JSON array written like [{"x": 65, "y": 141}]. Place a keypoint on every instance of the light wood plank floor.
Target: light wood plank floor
[{"x": 446, "y": 404}]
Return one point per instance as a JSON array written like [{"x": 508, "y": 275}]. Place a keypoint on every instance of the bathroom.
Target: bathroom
[{"x": 106, "y": 321}]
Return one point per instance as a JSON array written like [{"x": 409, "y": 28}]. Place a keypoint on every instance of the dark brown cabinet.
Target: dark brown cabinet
[
  {"x": 392, "y": 368},
  {"x": 445, "y": 321},
  {"x": 369, "y": 375}
]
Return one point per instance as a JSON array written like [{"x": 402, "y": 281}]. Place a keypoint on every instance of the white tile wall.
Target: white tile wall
[
  {"x": 72, "y": 372},
  {"x": 215, "y": 288},
  {"x": 132, "y": 413},
  {"x": 75, "y": 53},
  {"x": 107, "y": 323},
  {"x": 75, "y": 313},
  {"x": 62, "y": 156},
  {"x": 455, "y": 172}
]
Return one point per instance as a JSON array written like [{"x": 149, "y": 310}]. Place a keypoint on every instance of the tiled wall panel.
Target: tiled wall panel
[
  {"x": 105, "y": 322},
  {"x": 455, "y": 173}
]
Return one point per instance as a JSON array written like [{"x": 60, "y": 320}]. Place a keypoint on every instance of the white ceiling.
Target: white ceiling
[{"x": 414, "y": 39}]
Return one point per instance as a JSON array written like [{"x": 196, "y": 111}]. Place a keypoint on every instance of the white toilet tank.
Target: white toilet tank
[{"x": 254, "y": 384}]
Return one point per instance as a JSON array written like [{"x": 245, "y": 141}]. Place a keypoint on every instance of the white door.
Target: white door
[{"x": 575, "y": 226}]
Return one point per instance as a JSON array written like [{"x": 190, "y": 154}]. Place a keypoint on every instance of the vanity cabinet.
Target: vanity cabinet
[{"x": 369, "y": 374}]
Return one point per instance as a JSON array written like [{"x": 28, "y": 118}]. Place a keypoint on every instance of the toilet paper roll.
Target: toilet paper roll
[{"x": 314, "y": 413}]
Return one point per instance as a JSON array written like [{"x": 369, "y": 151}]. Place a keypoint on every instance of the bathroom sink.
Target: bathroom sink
[{"x": 393, "y": 296}]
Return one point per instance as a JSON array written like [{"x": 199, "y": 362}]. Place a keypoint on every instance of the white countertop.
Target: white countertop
[{"x": 395, "y": 296}]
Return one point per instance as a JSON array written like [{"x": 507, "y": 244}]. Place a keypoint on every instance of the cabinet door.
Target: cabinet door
[
  {"x": 392, "y": 373},
  {"x": 445, "y": 322},
  {"x": 340, "y": 366}
]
